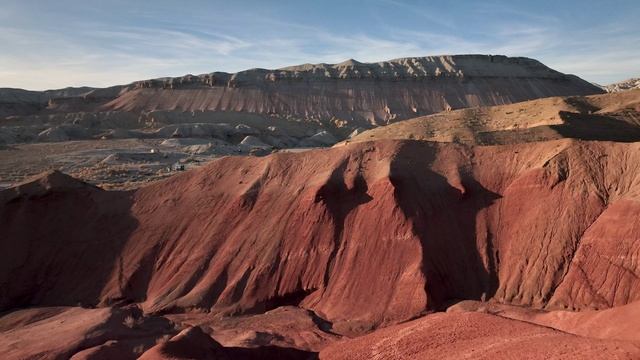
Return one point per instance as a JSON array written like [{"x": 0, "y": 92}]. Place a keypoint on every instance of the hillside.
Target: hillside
[
  {"x": 611, "y": 117},
  {"x": 364, "y": 236}
]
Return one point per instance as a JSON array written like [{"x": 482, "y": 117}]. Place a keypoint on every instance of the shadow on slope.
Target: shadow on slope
[
  {"x": 458, "y": 257},
  {"x": 62, "y": 239},
  {"x": 596, "y": 127}
]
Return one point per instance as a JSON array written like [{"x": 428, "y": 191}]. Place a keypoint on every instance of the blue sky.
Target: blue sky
[{"x": 53, "y": 44}]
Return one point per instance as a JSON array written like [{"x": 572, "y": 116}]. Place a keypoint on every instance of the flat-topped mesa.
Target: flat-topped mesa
[
  {"x": 358, "y": 94},
  {"x": 413, "y": 68},
  {"x": 341, "y": 97}
]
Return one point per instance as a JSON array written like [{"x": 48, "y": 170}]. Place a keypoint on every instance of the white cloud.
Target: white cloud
[{"x": 100, "y": 55}]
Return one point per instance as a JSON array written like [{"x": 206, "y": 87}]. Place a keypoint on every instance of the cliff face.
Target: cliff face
[
  {"x": 364, "y": 235},
  {"x": 417, "y": 68},
  {"x": 367, "y": 94},
  {"x": 353, "y": 93}
]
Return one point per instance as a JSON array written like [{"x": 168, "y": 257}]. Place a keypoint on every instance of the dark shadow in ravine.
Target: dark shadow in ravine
[
  {"x": 444, "y": 218},
  {"x": 59, "y": 246},
  {"x": 596, "y": 127},
  {"x": 340, "y": 201}
]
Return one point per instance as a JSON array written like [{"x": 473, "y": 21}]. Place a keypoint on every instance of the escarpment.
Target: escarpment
[
  {"x": 347, "y": 95},
  {"x": 365, "y": 94}
]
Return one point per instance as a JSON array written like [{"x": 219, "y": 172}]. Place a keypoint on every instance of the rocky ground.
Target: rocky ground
[{"x": 120, "y": 163}]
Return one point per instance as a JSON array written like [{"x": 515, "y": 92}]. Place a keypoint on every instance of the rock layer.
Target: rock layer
[
  {"x": 364, "y": 235},
  {"x": 348, "y": 94},
  {"x": 367, "y": 94}
]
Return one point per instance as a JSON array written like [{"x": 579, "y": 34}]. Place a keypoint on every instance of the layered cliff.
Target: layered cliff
[
  {"x": 354, "y": 93},
  {"x": 368, "y": 94}
]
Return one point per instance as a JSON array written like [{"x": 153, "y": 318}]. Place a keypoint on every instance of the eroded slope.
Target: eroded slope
[
  {"x": 364, "y": 235},
  {"x": 611, "y": 117}
]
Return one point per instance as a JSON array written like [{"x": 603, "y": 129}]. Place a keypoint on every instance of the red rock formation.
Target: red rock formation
[
  {"x": 60, "y": 333},
  {"x": 191, "y": 343},
  {"x": 286, "y": 326},
  {"x": 604, "y": 270},
  {"x": 364, "y": 235},
  {"x": 617, "y": 323},
  {"x": 63, "y": 332},
  {"x": 475, "y": 336}
]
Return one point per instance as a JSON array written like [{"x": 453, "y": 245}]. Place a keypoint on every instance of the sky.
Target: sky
[{"x": 55, "y": 44}]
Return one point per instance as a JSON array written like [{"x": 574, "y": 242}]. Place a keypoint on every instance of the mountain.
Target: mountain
[
  {"x": 15, "y": 102},
  {"x": 369, "y": 94},
  {"x": 629, "y": 84},
  {"x": 339, "y": 97}
]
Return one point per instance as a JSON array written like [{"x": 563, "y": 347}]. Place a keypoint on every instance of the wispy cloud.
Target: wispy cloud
[
  {"x": 425, "y": 11},
  {"x": 101, "y": 53},
  {"x": 156, "y": 39}
]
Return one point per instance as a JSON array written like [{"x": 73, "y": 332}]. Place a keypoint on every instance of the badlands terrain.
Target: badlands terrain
[
  {"x": 123, "y": 136},
  {"x": 470, "y": 207}
]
